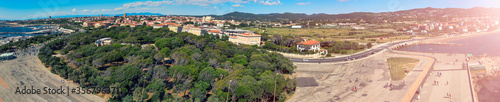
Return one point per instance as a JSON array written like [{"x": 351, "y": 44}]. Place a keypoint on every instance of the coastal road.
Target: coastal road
[{"x": 351, "y": 57}]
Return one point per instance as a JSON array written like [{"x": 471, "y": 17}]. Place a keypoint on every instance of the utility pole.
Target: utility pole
[
  {"x": 142, "y": 92},
  {"x": 228, "y": 90},
  {"x": 274, "y": 94}
]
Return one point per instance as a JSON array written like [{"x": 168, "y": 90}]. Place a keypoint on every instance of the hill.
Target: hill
[{"x": 413, "y": 14}]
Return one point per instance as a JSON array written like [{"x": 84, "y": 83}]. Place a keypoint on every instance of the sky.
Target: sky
[{"x": 31, "y": 9}]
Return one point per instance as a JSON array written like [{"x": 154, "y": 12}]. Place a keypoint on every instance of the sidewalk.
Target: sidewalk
[{"x": 450, "y": 65}]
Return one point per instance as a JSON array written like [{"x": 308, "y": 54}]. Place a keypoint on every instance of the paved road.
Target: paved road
[{"x": 355, "y": 56}]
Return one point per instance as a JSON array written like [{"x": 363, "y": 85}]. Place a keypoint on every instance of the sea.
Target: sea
[
  {"x": 18, "y": 29},
  {"x": 479, "y": 45}
]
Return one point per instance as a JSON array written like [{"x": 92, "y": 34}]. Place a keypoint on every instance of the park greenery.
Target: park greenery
[
  {"x": 159, "y": 65},
  {"x": 400, "y": 66},
  {"x": 22, "y": 44},
  {"x": 288, "y": 44}
]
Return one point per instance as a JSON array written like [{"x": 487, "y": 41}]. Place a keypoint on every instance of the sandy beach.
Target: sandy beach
[
  {"x": 463, "y": 36},
  {"x": 27, "y": 70},
  {"x": 486, "y": 84}
]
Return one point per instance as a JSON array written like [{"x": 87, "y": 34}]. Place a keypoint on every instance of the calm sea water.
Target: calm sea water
[
  {"x": 489, "y": 44},
  {"x": 17, "y": 29},
  {"x": 485, "y": 44}
]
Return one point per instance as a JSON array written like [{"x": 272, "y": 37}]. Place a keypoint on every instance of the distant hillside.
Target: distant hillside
[
  {"x": 404, "y": 15},
  {"x": 413, "y": 14}
]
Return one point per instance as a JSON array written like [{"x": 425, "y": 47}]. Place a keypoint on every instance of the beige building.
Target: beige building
[
  {"x": 195, "y": 31},
  {"x": 249, "y": 39},
  {"x": 175, "y": 29},
  {"x": 246, "y": 38}
]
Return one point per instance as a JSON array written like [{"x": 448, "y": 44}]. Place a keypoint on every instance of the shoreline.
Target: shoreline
[
  {"x": 462, "y": 36},
  {"x": 484, "y": 83}
]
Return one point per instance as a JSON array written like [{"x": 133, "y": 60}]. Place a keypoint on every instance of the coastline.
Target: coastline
[
  {"x": 485, "y": 84},
  {"x": 462, "y": 36}
]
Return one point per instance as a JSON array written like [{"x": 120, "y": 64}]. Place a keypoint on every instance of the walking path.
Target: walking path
[
  {"x": 335, "y": 80},
  {"x": 452, "y": 72}
]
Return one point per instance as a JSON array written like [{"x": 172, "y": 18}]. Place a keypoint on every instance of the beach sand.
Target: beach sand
[
  {"x": 29, "y": 71},
  {"x": 489, "y": 89},
  {"x": 2, "y": 82},
  {"x": 458, "y": 37}
]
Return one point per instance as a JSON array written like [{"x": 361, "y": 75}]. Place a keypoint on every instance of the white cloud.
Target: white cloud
[
  {"x": 270, "y": 2},
  {"x": 103, "y": 10},
  {"x": 143, "y": 4},
  {"x": 303, "y": 3},
  {"x": 206, "y": 2},
  {"x": 238, "y": 5},
  {"x": 343, "y": 0},
  {"x": 74, "y": 10},
  {"x": 85, "y": 10},
  {"x": 147, "y": 3}
]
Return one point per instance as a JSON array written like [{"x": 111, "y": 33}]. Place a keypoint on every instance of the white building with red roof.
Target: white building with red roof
[{"x": 310, "y": 45}]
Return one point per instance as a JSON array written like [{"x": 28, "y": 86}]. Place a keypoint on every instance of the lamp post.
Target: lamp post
[{"x": 228, "y": 88}]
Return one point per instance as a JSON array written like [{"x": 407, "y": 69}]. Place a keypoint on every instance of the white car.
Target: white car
[{"x": 305, "y": 59}]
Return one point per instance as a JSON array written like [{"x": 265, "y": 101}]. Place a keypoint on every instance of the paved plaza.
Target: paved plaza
[{"x": 336, "y": 80}]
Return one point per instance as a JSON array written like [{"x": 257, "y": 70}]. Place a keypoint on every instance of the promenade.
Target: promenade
[
  {"x": 334, "y": 81},
  {"x": 452, "y": 72}
]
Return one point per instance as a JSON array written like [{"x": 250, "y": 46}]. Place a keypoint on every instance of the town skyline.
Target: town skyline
[{"x": 42, "y": 9}]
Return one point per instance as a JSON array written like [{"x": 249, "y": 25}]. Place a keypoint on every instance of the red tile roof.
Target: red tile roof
[
  {"x": 249, "y": 35},
  {"x": 310, "y": 42},
  {"x": 214, "y": 31}
]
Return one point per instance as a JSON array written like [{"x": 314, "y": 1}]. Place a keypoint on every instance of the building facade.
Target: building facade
[{"x": 310, "y": 45}]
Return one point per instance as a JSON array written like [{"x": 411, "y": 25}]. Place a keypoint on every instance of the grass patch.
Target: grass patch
[
  {"x": 399, "y": 66},
  {"x": 57, "y": 51}
]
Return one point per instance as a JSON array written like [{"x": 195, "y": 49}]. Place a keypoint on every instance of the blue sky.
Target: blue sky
[{"x": 29, "y": 9}]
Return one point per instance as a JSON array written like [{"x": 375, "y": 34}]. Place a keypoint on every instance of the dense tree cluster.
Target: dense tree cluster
[
  {"x": 28, "y": 42},
  {"x": 170, "y": 66},
  {"x": 288, "y": 44}
]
